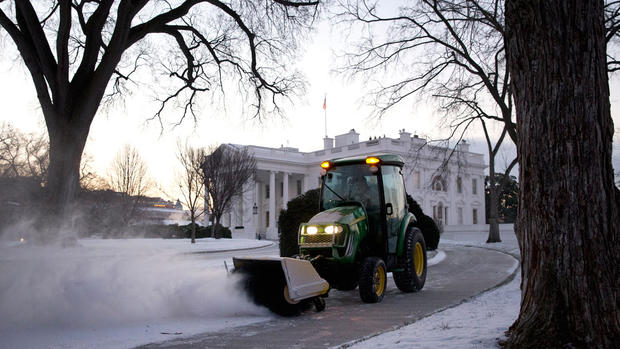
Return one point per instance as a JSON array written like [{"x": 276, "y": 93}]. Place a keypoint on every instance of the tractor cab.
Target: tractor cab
[{"x": 376, "y": 184}]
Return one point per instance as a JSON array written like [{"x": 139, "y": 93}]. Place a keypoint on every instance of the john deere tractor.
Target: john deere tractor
[{"x": 363, "y": 231}]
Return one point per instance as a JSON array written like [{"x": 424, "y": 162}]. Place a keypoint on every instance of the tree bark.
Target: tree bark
[
  {"x": 567, "y": 226},
  {"x": 67, "y": 141}
]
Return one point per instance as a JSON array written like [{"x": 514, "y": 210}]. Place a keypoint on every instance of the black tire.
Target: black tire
[
  {"x": 319, "y": 304},
  {"x": 413, "y": 277},
  {"x": 373, "y": 280}
]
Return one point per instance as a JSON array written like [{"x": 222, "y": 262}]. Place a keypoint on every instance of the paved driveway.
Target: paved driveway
[{"x": 465, "y": 272}]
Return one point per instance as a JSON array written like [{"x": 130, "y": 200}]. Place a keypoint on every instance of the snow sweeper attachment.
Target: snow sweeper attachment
[{"x": 284, "y": 285}]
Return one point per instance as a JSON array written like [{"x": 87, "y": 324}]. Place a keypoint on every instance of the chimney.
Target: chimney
[
  {"x": 328, "y": 143},
  {"x": 464, "y": 146},
  {"x": 404, "y": 135}
]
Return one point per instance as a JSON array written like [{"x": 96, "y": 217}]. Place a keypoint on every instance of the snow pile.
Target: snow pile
[{"x": 113, "y": 283}]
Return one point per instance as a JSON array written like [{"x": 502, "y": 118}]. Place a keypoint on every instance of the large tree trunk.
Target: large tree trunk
[
  {"x": 567, "y": 224},
  {"x": 67, "y": 141}
]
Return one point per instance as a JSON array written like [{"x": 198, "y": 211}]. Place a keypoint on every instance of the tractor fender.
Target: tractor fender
[{"x": 409, "y": 218}]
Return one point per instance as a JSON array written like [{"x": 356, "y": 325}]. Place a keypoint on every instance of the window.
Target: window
[
  {"x": 438, "y": 213},
  {"x": 474, "y": 186},
  {"x": 459, "y": 212},
  {"x": 416, "y": 179},
  {"x": 475, "y": 216},
  {"x": 299, "y": 187},
  {"x": 267, "y": 219},
  {"x": 439, "y": 184},
  {"x": 281, "y": 189},
  {"x": 459, "y": 185},
  {"x": 445, "y": 216},
  {"x": 267, "y": 191}
]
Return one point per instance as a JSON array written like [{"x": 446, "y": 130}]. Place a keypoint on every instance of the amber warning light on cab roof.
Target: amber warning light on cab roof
[
  {"x": 325, "y": 165},
  {"x": 371, "y": 160}
]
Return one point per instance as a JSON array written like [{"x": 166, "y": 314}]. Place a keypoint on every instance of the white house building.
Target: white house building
[{"x": 453, "y": 194}]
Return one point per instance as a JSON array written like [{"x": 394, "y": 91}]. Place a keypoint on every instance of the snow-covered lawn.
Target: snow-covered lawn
[{"x": 118, "y": 293}]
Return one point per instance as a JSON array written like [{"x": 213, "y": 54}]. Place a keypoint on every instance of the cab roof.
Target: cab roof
[{"x": 386, "y": 159}]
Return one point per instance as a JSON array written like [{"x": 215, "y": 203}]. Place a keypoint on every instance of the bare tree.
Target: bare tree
[
  {"x": 451, "y": 50},
  {"x": 567, "y": 225},
  {"x": 78, "y": 51},
  {"x": 226, "y": 170},
  {"x": 23, "y": 154},
  {"x": 612, "y": 34},
  {"x": 128, "y": 175},
  {"x": 192, "y": 182}
]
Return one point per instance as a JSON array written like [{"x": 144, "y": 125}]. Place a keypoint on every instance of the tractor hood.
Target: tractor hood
[{"x": 348, "y": 214}]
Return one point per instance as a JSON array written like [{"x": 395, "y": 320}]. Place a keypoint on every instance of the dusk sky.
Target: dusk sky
[{"x": 303, "y": 128}]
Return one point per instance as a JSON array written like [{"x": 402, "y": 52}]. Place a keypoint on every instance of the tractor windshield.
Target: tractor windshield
[{"x": 350, "y": 182}]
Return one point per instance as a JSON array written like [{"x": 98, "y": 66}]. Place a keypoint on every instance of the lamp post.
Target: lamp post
[{"x": 255, "y": 220}]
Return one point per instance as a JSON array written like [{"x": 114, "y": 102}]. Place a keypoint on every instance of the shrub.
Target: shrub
[
  {"x": 222, "y": 232},
  {"x": 427, "y": 225},
  {"x": 299, "y": 210}
]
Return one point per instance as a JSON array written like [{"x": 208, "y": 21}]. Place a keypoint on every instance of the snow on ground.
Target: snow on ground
[
  {"x": 123, "y": 293},
  {"x": 477, "y": 323},
  {"x": 118, "y": 293}
]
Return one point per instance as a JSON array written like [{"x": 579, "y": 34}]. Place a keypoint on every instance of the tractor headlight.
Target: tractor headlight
[
  {"x": 333, "y": 229},
  {"x": 312, "y": 230}
]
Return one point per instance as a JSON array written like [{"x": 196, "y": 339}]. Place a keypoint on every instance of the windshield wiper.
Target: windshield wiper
[{"x": 332, "y": 190}]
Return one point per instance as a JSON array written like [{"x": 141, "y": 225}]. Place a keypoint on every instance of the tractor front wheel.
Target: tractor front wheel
[
  {"x": 413, "y": 277},
  {"x": 373, "y": 280}
]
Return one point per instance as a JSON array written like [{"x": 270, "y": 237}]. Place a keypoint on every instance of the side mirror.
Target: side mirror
[{"x": 389, "y": 209}]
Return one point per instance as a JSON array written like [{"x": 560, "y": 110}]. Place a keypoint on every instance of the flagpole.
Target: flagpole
[{"x": 325, "y": 113}]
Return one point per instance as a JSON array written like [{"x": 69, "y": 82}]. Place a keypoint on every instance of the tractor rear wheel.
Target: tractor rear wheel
[
  {"x": 413, "y": 277},
  {"x": 373, "y": 280}
]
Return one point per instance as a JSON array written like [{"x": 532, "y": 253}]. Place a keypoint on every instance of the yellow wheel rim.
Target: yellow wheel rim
[
  {"x": 418, "y": 259},
  {"x": 379, "y": 280}
]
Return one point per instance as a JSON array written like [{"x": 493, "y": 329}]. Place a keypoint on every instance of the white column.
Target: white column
[
  {"x": 285, "y": 196},
  {"x": 307, "y": 185},
  {"x": 247, "y": 199},
  {"x": 272, "y": 231},
  {"x": 233, "y": 214}
]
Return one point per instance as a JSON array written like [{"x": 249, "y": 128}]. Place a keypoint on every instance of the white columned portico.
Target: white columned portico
[
  {"x": 285, "y": 196},
  {"x": 272, "y": 231}
]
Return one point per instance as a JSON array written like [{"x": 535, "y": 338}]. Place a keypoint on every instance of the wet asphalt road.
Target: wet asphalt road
[{"x": 465, "y": 272}]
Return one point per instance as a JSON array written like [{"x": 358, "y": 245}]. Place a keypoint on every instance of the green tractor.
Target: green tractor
[{"x": 363, "y": 231}]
